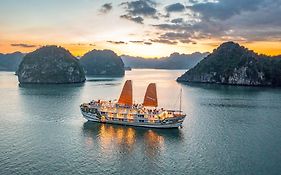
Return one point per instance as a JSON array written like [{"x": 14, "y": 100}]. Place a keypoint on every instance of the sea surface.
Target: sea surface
[{"x": 228, "y": 129}]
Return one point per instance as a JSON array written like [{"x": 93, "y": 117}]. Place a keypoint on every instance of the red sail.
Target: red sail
[
  {"x": 126, "y": 97},
  {"x": 150, "y": 98}
]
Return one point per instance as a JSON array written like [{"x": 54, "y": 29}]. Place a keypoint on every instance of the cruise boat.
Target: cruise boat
[{"x": 125, "y": 112}]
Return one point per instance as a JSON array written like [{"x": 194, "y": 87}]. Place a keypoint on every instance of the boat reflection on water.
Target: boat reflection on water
[{"x": 126, "y": 139}]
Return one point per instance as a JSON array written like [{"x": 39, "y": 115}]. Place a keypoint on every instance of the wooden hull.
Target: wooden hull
[{"x": 94, "y": 118}]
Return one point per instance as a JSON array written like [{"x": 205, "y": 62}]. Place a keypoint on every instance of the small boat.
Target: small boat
[{"x": 125, "y": 112}]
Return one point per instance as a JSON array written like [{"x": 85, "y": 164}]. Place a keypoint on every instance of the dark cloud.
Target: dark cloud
[
  {"x": 141, "y": 42},
  {"x": 116, "y": 42},
  {"x": 164, "y": 41},
  {"x": 200, "y": 30},
  {"x": 168, "y": 26},
  {"x": 240, "y": 20},
  {"x": 140, "y": 7},
  {"x": 83, "y": 44},
  {"x": 266, "y": 16},
  {"x": 161, "y": 15},
  {"x": 176, "y": 36},
  {"x": 24, "y": 45},
  {"x": 187, "y": 41},
  {"x": 248, "y": 20},
  {"x": 224, "y": 9},
  {"x": 193, "y": 1},
  {"x": 177, "y": 20},
  {"x": 105, "y": 8},
  {"x": 183, "y": 37},
  {"x": 147, "y": 43},
  {"x": 136, "y": 19},
  {"x": 136, "y": 41},
  {"x": 137, "y": 10},
  {"x": 177, "y": 7}
]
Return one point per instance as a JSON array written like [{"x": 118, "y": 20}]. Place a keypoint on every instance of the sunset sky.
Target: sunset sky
[{"x": 144, "y": 28}]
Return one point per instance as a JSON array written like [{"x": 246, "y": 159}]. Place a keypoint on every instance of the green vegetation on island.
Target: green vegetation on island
[
  {"x": 50, "y": 64},
  {"x": 233, "y": 64},
  {"x": 102, "y": 63}
]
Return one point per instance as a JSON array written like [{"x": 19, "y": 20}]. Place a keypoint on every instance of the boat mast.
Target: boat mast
[{"x": 180, "y": 99}]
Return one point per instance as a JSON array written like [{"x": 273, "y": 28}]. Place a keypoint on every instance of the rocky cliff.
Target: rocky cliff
[
  {"x": 11, "y": 61},
  {"x": 50, "y": 64},
  {"x": 102, "y": 63},
  {"x": 233, "y": 64}
]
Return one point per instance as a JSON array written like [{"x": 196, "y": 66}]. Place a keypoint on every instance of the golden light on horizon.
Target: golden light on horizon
[
  {"x": 155, "y": 50},
  {"x": 265, "y": 47}
]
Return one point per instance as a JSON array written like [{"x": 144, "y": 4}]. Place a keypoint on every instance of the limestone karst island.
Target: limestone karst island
[
  {"x": 233, "y": 64},
  {"x": 140, "y": 87}
]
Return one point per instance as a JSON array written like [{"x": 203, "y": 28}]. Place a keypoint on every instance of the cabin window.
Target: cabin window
[
  {"x": 94, "y": 110},
  {"x": 141, "y": 120}
]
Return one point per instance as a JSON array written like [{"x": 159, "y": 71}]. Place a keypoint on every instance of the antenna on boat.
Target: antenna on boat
[{"x": 180, "y": 98}]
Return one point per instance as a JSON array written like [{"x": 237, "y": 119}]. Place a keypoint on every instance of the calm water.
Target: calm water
[{"x": 228, "y": 130}]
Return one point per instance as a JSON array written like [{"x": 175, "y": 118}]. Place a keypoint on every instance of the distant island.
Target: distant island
[
  {"x": 102, "y": 63},
  {"x": 233, "y": 64},
  {"x": 52, "y": 65},
  {"x": 108, "y": 63},
  {"x": 10, "y": 61},
  {"x": 174, "y": 61}
]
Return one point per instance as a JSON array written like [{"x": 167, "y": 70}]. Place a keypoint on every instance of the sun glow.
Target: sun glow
[{"x": 154, "y": 50}]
